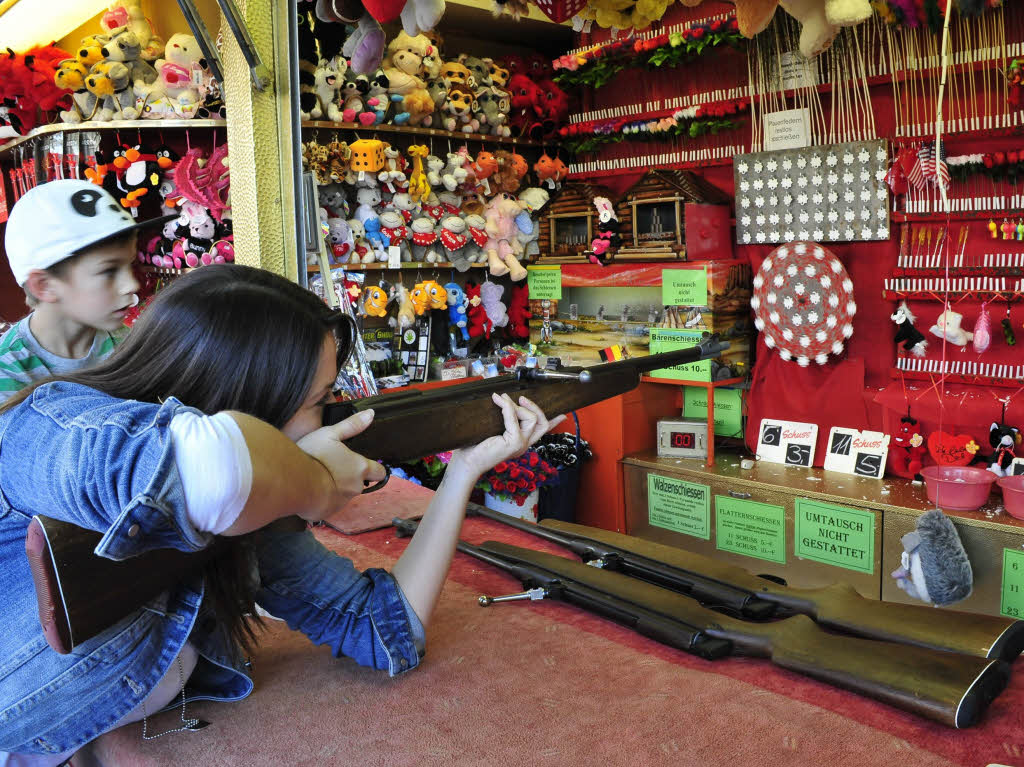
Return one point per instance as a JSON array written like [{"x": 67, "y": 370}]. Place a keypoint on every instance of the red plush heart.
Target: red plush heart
[
  {"x": 950, "y": 449},
  {"x": 561, "y": 10},
  {"x": 384, "y": 11}
]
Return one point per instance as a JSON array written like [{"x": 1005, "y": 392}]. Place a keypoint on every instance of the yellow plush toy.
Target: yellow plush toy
[{"x": 70, "y": 76}]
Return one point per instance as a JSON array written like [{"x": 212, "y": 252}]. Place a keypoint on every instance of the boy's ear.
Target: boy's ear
[{"x": 40, "y": 284}]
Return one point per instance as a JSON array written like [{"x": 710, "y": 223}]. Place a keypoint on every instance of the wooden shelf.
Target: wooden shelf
[
  {"x": 115, "y": 125},
  {"x": 382, "y": 266},
  {"x": 408, "y": 130},
  {"x": 702, "y": 384}
]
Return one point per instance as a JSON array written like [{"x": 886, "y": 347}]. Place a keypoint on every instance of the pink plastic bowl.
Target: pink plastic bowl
[
  {"x": 1013, "y": 495},
  {"x": 958, "y": 488}
]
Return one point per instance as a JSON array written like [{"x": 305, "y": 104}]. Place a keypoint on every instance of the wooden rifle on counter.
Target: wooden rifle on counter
[
  {"x": 838, "y": 607},
  {"x": 946, "y": 687},
  {"x": 81, "y": 594}
]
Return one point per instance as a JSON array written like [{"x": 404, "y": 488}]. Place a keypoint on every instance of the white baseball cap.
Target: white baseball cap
[{"x": 59, "y": 219}]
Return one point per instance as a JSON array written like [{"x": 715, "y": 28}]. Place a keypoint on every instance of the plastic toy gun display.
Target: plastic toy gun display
[
  {"x": 80, "y": 594},
  {"x": 950, "y": 688}
]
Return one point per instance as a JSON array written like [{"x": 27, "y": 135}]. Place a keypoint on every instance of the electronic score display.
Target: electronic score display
[{"x": 682, "y": 438}]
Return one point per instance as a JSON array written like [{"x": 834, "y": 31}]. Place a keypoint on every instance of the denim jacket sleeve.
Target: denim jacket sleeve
[
  {"x": 362, "y": 615},
  {"x": 78, "y": 455}
]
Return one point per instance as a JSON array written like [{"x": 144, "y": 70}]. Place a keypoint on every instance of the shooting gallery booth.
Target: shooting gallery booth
[{"x": 767, "y": 257}]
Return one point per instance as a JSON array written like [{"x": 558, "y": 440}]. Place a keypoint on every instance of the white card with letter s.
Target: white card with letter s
[
  {"x": 787, "y": 442},
  {"x": 856, "y": 452}
]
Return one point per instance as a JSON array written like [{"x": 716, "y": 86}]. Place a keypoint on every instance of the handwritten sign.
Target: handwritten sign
[
  {"x": 787, "y": 442},
  {"x": 851, "y": 451},
  {"x": 673, "y": 339},
  {"x": 1012, "y": 603},
  {"x": 728, "y": 409},
  {"x": 835, "y": 535},
  {"x": 788, "y": 129},
  {"x": 684, "y": 507},
  {"x": 545, "y": 282},
  {"x": 750, "y": 528},
  {"x": 683, "y": 287},
  {"x": 951, "y": 449}
]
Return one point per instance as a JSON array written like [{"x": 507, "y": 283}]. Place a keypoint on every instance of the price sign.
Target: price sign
[
  {"x": 787, "y": 442},
  {"x": 856, "y": 452},
  {"x": 684, "y": 287},
  {"x": 1012, "y": 604},
  {"x": 545, "y": 282},
  {"x": 672, "y": 339},
  {"x": 750, "y": 528},
  {"x": 684, "y": 507}
]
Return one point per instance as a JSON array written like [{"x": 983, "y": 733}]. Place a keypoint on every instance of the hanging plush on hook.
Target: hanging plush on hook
[
  {"x": 803, "y": 303},
  {"x": 912, "y": 339}
]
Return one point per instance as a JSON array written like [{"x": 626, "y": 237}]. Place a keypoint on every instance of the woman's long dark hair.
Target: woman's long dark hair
[{"x": 224, "y": 337}]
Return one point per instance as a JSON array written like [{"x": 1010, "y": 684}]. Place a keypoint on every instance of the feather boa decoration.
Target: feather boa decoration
[{"x": 906, "y": 12}]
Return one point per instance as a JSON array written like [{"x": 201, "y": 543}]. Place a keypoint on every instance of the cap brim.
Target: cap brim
[{"x": 128, "y": 229}]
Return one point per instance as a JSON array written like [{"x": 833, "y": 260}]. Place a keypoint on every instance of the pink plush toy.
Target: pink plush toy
[{"x": 503, "y": 244}]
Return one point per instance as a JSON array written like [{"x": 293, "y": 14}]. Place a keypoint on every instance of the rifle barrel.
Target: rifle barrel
[{"x": 946, "y": 687}]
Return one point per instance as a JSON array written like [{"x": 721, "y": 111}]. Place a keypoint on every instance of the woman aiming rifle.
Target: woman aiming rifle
[{"x": 204, "y": 423}]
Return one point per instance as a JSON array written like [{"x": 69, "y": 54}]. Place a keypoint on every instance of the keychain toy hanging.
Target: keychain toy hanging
[
  {"x": 1011, "y": 339},
  {"x": 982, "y": 330}
]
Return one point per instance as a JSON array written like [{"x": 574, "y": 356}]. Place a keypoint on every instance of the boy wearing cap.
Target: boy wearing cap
[{"x": 71, "y": 247}]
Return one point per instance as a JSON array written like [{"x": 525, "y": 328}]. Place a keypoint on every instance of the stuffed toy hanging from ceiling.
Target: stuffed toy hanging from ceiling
[{"x": 803, "y": 302}]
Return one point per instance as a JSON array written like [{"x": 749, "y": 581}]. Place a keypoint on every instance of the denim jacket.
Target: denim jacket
[{"x": 79, "y": 455}]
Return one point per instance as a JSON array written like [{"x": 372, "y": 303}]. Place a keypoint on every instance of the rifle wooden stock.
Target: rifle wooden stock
[
  {"x": 946, "y": 687},
  {"x": 838, "y": 606},
  {"x": 80, "y": 594}
]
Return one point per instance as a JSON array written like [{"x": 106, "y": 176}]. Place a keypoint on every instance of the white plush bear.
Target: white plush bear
[
  {"x": 454, "y": 175},
  {"x": 948, "y": 325},
  {"x": 434, "y": 167},
  {"x": 180, "y": 73}
]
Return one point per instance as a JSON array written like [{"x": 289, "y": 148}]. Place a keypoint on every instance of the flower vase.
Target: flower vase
[{"x": 527, "y": 511}]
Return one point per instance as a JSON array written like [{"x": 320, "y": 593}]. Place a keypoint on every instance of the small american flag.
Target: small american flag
[
  {"x": 941, "y": 178},
  {"x": 919, "y": 174}
]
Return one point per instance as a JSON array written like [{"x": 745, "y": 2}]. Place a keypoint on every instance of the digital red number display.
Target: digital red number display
[{"x": 683, "y": 439}]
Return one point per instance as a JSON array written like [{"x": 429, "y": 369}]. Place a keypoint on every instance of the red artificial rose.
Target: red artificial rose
[
  {"x": 734, "y": 25},
  {"x": 698, "y": 33},
  {"x": 500, "y": 467},
  {"x": 686, "y": 34},
  {"x": 716, "y": 25},
  {"x": 1013, "y": 158},
  {"x": 521, "y": 483},
  {"x": 1000, "y": 158},
  {"x": 520, "y": 501},
  {"x": 534, "y": 459},
  {"x": 497, "y": 485},
  {"x": 513, "y": 472},
  {"x": 531, "y": 487},
  {"x": 987, "y": 159}
]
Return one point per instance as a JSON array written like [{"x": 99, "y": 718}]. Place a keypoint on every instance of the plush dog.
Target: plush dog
[
  {"x": 110, "y": 82},
  {"x": 124, "y": 46},
  {"x": 70, "y": 76}
]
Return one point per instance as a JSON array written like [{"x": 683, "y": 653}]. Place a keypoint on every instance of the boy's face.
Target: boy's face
[{"x": 99, "y": 287}]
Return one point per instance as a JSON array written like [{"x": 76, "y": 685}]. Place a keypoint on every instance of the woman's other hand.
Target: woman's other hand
[
  {"x": 346, "y": 471},
  {"x": 525, "y": 423}
]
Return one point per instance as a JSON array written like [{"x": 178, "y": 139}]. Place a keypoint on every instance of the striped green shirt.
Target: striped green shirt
[{"x": 23, "y": 360}]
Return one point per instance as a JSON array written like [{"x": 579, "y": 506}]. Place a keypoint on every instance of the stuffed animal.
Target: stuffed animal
[
  {"x": 129, "y": 13},
  {"x": 493, "y": 105},
  {"x": 546, "y": 171},
  {"x": 339, "y": 157},
  {"x": 403, "y": 203},
  {"x": 367, "y": 201},
  {"x": 174, "y": 92},
  {"x": 478, "y": 68},
  {"x": 424, "y": 235},
  {"x": 419, "y": 182},
  {"x": 361, "y": 249},
  {"x": 364, "y": 48},
  {"x": 816, "y": 31},
  {"x": 326, "y": 92},
  {"x": 391, "y": 174},
  {"x": 438, "y": 93},
  {"x": 911, "y": 338},
  {"x": 453, "y": 237},
  {"x": 332, "y": 196},
  {"x": 477, "y": 322},
  {"x": 553, "y": 108},
  {"x": 519, "y": 312},
  {"x": 377, "y": 98},
  {"x": 70, "y": 76},
  {"x": 393, "y": 227},
  {"x": 607, "y": 238},
  {"x": 531, "y": 200},
  {"x": 490, "y": 295},
  {"x": 437, "y": 294},
  {"x": 948, "y": 326},
  {"x": 526, "y": 96},
  {"x": 503, "y": 247},
  {"x": 434, "y": 167},
  {"x": 907, "y": 450},
  {"x": 404, "y": 70},
  {"x": 934, "y": 565},
  {"x": 483, "y": 167},
  {"x": 459, "y": 107},
  {"x": 354, "y": 89},
  {"x": 476, "y": 228},
  {"x": 453, "y": 174},
  {"x": 420, "y": 298},
  {"x": 110, "y": 82},
  {"x": 1004, "y": 440},
  {"x": 124, "y": 46},
  {"x": 138, "y": 173},
  {"x": 499, "y": 73},
  {"x": 90, "y": 49},
  {"x": 376, "y": 237},
  {"x": 375, "y": 301},
  {"x": 455, "y": 73},
  {"x": 405, "y": 317},
  {"x": 340, "y": 240},
  {"x": 457, "y": 308}
]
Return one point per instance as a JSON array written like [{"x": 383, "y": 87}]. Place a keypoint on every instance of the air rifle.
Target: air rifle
[
  {"x": 947, "y": 687},
  {"x": 80, "y": 594},
  {"x": 838, "y": 606}
]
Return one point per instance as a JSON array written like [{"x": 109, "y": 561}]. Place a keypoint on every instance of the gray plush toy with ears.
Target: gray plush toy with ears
[{"x": 935, "y": 567}]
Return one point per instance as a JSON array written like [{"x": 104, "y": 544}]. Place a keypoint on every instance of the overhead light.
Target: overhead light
[{"x": 26, "y": 23}]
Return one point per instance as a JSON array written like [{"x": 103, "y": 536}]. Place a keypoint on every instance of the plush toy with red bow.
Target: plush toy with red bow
[
  {"x": 519, "y": 312},
  {"x": 479, "y": 323}
]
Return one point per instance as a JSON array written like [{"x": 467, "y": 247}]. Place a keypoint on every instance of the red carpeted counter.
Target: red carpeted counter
[{"x": 546, "y": 684}]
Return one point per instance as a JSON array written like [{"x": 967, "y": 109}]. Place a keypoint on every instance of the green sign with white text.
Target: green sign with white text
[
  {"x": 545, "y": 282},
  {"x": 684, "y": 507},
  {"x": 835, "y": 535},
  {"x": 750, "y": 528},
  {"x": 1012, "y": 603},
  {"x": 684, "y": 287}
]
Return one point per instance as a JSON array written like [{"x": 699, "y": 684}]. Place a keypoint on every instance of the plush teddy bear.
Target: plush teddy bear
[
  {"x": 505, "y": 178},
  {"x": 424, "y": 235},
  {"x": 404, "y": 204},
  {"x": 393, "y": 227},
  {"x": 367, "y": 200},
  {"x": 175, "y": 91},
  {"x": 457, "y": 308},
  {"x": 453, "y": 237},
  {"x": 477, "y": 322},
  {"x": 70, "y": 76},
  {"x": 476, "y": 229},
  {"x": 503, "y": 244},
  {"x": 340, "y": 240},
  {"x": 110, "y": 82},
  {"x": 404, "y": 69},
  {"x": 490, "y": 295},
  {"x": 332, "y": 196},
  {"x": 519, "y": 312},
  {"x": 362, "y": 251}
]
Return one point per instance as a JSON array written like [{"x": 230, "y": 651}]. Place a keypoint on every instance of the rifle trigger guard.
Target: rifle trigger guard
[{"x": 378, "y": 485}]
